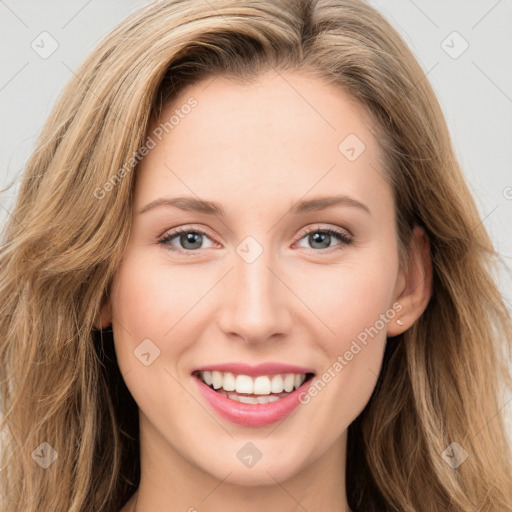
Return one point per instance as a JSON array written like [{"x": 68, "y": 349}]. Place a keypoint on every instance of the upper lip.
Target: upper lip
[{"x": 270, "y": 368}]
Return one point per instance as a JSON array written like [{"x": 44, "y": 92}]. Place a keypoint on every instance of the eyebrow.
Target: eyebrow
[{"x": 211, "y": 208}]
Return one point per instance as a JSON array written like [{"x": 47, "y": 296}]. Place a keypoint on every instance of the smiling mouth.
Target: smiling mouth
[{"x": 260, "y": 389}]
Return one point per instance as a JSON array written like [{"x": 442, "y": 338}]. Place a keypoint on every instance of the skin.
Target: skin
[{"x": 257, "y": 149}]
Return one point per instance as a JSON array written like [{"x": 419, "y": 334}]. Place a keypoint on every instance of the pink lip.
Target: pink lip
[
  {"x": 251, "y": 415},
  {"x": 255, "y": 370}
]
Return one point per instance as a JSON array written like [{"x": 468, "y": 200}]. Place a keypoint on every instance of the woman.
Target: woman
[{"x": 142, "y": 373}]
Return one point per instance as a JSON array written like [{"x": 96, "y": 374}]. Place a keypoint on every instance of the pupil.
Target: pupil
[
  {"x": 189, "y": 237},
  {"x": 320, "y": 237}
]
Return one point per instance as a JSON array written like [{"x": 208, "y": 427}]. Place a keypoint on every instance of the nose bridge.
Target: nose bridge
[{"x": 254, "y": 308}]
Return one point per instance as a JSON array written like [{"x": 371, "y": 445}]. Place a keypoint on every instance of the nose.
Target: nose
[{"x": 255, "y": 304}]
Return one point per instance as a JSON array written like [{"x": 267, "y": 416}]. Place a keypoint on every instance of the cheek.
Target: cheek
[
  {"x": 149, "y": 298},
  {"x": 367, "y": 296},
  {"x": 352, "y": 300},
  {"x": 357, "y": 311},
  {"x": 149, "y": 302},
  {"x": 357, "y": 308}
]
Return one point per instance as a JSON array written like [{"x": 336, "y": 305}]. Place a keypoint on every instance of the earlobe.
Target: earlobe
[
  {"x": 105, "y": 317},
  {"x": 414, "y": 285}
]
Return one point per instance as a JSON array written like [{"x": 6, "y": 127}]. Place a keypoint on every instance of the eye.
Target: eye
[
  {"x": 321, "y": 238},
  {"x": 189, "y": 239}
]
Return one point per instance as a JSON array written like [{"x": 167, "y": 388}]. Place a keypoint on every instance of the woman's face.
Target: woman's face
[{"x": 263, "y": 283}]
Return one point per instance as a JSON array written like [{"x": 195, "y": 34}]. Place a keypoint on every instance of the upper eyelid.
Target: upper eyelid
[
  {"x": 180, "y": 229},
  {"x": 308, "y": 230}
]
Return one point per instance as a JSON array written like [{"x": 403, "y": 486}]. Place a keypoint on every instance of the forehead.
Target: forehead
[{"x": 286, "y": 133}]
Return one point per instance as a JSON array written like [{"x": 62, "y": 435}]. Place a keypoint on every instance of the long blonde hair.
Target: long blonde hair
[{"x": 60, "y": 384}]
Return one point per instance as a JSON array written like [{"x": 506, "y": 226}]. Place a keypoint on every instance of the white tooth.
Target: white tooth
[
  {"x": 248, "y": 399},
  {"x": 233, "y": 397},
  {"x": 299, "y": 380},
  {"x": 217, "y": 379},
  {"x": 262, "y": 385},
  {"x": 207, "y": 377},
  {"x": 229, "y": 382},
  {"x": 243, "y": 384},
  {"x": 272, "y": 398},
  {"x": 277, "y": 384},
  {"x": 289, "y": 382},
  {"x": 263, "y": 399}
]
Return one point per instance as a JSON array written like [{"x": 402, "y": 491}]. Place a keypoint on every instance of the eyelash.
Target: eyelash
[{"x": 342, "y": 236}]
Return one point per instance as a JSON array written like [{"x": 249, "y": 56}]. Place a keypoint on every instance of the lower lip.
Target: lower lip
[{"x": 252, "y": 415}]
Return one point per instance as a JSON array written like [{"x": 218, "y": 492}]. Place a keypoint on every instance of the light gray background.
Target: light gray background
[{"x": 475, "y": 89}]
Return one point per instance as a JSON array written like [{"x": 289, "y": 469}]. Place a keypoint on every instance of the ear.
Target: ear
[
  {"x": 105, "y": 317},
  {"x": 414, "y": 284}
]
